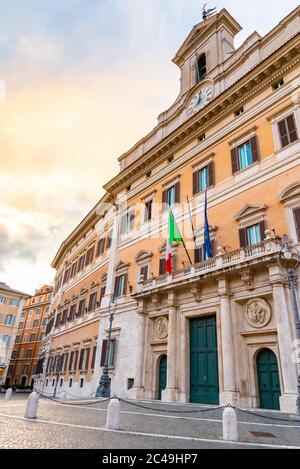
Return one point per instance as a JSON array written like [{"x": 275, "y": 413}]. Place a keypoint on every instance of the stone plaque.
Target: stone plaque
[
  {"x": 258, "y": 313},
  {"x": 161, "y": 328}
]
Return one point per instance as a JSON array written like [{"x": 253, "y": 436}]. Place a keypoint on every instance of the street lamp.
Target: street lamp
[
  {"x": 103, "y": 389},
  {"x": 289, "y": 259}
]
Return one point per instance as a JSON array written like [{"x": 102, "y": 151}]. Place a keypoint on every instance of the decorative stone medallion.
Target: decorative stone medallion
[
  {"x": 161, "y": 328},
  {"x": 258, "y": 313}
]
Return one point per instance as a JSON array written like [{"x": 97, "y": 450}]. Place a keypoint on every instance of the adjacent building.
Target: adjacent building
[
  {"x": 11, "y": 304},
  {"x": 31, "y": 326},
  {"x": 218, "y": 330}
]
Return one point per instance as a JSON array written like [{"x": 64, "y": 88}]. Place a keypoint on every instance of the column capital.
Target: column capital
[{"x": 276, "y": 275}]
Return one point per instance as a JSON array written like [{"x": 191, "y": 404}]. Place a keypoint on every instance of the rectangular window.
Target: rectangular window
[
  {"x": 58, "y": 319},
  {"x": 171, "y": 196},
  {"x": 130, "y": 383},
  {"x": 61, "y": 382},
  {"x": 81, "y": 308},
  {"x": 28, "y": 324},
  {"x": 38, "y": 311},
  {"x": 200, "y": 252},
  {"x": 109, "y": 239},
  {"x": 100, "y": 247},
  {"x": 29, "y": 353},
  {"x": 245, "y": 155},
  {"x": 20, "y": 326},
  {"x": 203, "y": 178},
  {"x": 103, "y": 352},
  {"x": 94, "y": 357},
  {"x": 2, "y": 299},
  {"x": 87, "y": 358},
  {"x": 111, "y": 355},
  {"x": 89, "y": 257},
  {"x": 162, "y": 266},
  {"x": 6, "y": 340},
  {"x": 72, "y": 313},
  {"x": 251, "y": 235},
  {"x": 17, "y": 339},
  {"x": 24, "y": 338},
  {"x": 73, "y": 271},
  {"x": 15, "y": 302},
  {"x": 66, "y": 361},
  {"x": 35, "y": 323},
  {"x": 120, "y": 285},
  {"x": 80, "y": 263},
  {"x": 144, "y": 273},
  {"x": 92, "y": 302},
  {"x": 71, "y": 361},
  {"x": 64, "y": 316},
  {"x": 102, "y": 292},
  {"x": 127, "y": 222},
  {"x": 70, "y": 383},
  {"x": 148, "y": 210},
  {"x": 10, "y": 320},
  {"x": 81, "y": 359},
  {"x": 32, "y": 337},
  {"x": 297, "y": 222},
  {"x": 21, "y": 354},
  {"x": 75, "y": 364},
  {"x": 25, "y": 369},
  {"x": 81, "y": 382},
  {"x": 287, "y": 130}
]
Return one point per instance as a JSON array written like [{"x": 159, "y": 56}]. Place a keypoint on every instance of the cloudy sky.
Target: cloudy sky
[{"x": 85, "y": 79}]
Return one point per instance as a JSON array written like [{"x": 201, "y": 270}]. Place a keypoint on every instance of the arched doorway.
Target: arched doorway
[
  {"x": 162, "y": 375},
  {"x": 268, "y": 380}
]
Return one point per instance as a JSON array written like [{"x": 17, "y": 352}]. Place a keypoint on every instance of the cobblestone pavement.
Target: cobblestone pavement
[{"x": 77, "y": 425}]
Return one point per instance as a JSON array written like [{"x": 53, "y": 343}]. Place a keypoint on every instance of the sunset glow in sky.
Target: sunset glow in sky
[{"x": 85, "y": 79}]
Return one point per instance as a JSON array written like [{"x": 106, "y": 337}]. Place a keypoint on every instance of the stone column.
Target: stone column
[
  {"x": 228, "y": 395},
  {"x": 138, "y": 389},
  {"x": 284, "y": 317},
  {"x": 170, "y": 394}
]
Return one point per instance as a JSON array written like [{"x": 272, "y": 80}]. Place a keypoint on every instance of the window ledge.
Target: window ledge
[{"x": 244, "y": 173}]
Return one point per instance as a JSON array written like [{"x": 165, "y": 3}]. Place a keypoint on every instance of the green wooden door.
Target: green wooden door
[
  {"x": 268, "y": 380},
  {"x": 204, "y": 376},
  {"x": 162, "y": 375}
]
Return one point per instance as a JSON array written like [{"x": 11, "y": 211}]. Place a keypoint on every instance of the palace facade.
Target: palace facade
[
  {"x": 220, "y": 330},
  {"x": 31, "y": 328},
  {"x": 11, "y": 304}
]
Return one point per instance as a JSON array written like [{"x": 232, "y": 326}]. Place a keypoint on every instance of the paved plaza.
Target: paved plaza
[{"x": 81, "y": 425}]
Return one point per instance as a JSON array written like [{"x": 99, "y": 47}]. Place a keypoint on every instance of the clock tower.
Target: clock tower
[{"x": 202, "y": 58}]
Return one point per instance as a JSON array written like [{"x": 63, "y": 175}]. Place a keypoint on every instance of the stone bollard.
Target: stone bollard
[
  {"x": 32, "y": 406},
  {"x": 64, "y": 395},
  {"x": 8, "y": 394},
  {"x": 230, "y": 425},
  {"x": 113, "y": 415}
]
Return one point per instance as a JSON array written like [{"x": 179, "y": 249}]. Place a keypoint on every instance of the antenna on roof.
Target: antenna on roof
[{"x": 207, "y": 13}]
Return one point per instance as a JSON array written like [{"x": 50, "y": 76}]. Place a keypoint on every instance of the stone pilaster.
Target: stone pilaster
[
  {"x": 138, "y": 389},
  {"x": 229, "y": 394},
  {"x": 106, "y": 300},
  {"x": 288, "y": 397},
  {"x": 170, "y": 394}
]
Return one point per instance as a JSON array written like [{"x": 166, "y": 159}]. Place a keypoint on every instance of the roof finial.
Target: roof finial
[{"x": 207, "y": 13}]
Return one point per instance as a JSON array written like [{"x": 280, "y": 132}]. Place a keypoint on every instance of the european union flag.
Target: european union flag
[{"x": 207, "y": 242}]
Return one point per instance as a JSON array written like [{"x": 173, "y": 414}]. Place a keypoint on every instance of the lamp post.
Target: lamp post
[
  {"x": 103, "y": 389},
  {"x": 289, "y": 259}
]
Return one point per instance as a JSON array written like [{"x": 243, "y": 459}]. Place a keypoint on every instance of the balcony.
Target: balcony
[{"x": 223, "y": 263}]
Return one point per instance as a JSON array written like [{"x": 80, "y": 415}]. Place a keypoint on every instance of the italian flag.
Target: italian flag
[{"x": 174, "y": 236}]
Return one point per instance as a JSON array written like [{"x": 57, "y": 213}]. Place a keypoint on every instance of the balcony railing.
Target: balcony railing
[{"x": 241, "y": 257}]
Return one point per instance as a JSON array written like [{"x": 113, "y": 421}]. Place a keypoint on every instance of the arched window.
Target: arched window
[{"x": 201, "y": 67}]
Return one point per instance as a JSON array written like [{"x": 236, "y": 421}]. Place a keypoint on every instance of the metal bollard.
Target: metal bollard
[
  {"x": 230, "y": 425},
  {"x": 32, "y": 406},
  {"x": 113, "y": 415},
  {"x": 8, "y": 394}
]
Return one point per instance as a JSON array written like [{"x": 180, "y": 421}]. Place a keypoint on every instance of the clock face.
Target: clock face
[{"x": 199, "y": 100}]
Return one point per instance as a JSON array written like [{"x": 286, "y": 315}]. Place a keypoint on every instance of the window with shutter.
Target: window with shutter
[
  {"x": 94, "y": 357},
  {"x": 162, "y": 266},
  {"x": 103, "y": 352},
  {"x": 144, "y": 272},
  {"x": 235, "y": 161},
  {"x": 148, "y": 210},
  {"x": 100, "y": 247},
  {"x": 287, "y": 130},
  {"x": 254, "y": 148},
  {"x": 297, "y": 222},
  {"x": 66, "y": 362},
  {"x": 243, "y": 237},
  {"x": 121, "y": 285},
  {"x": 75, "y": 364},
  {"x": 102, "y": 292},
  {"x": 87, "y": 359},
  {"x": 81, "y": 359}
]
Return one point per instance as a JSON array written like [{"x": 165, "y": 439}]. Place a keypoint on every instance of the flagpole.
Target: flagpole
[
  {"x": 189, "y": 258},
  {"x": 192, "y": 224}
]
